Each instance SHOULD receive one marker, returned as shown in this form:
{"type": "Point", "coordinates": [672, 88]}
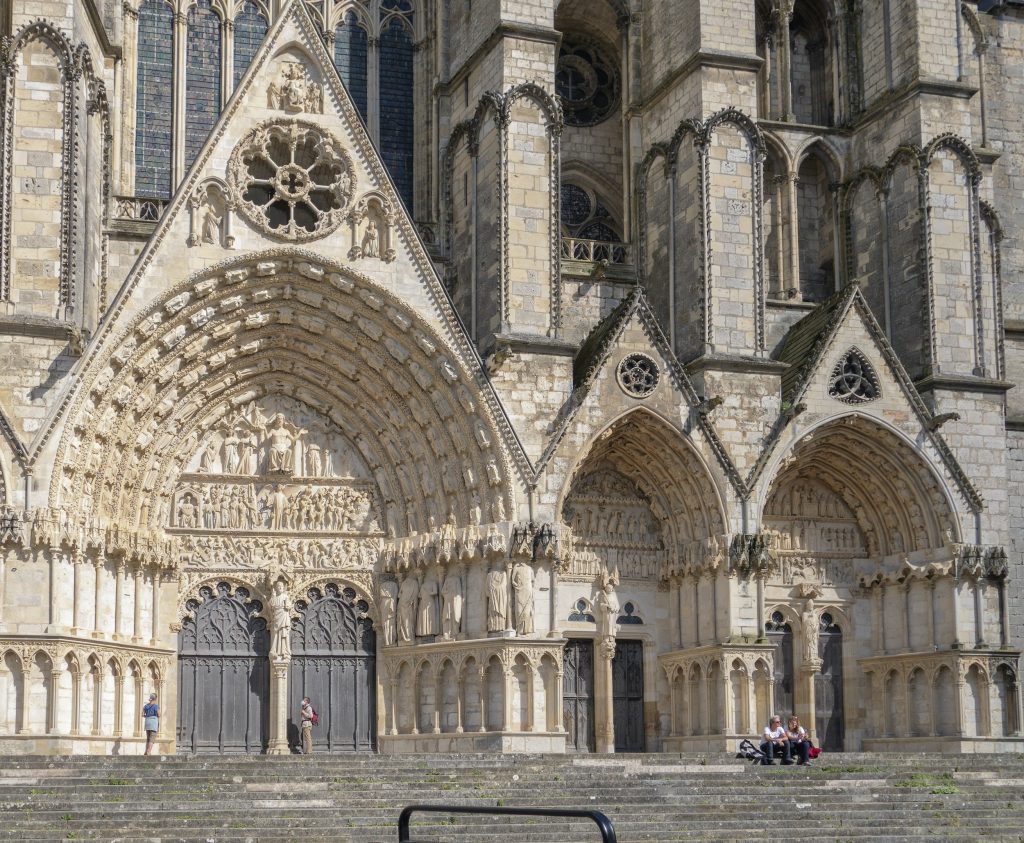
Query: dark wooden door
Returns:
{"type": "Point", "coordinates": [828, 686]}
{"type": "Point", "coordinates": [780, 635]}
{"type": "Point", "coordinates": [334, 664]}
{"type": "Point", "coordinates": [628, 696]}
{"type": "Point", "coordinates": [223, 676]}
{"type": "Point", "coordinates": [578, 694]}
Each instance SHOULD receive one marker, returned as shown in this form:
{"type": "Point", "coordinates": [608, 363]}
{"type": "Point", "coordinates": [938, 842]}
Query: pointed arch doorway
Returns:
{"type": "Point", "coordinates": [223, 674]}
{"type": "Point", "coordinates": [334, 664]}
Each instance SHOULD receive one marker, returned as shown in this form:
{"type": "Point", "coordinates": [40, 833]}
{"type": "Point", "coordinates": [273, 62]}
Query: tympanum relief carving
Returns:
{"type": "Point", "coordinates": [614, 527]}
{"type": "Point", "coordinates": [815, 534]}
{"type": "Point", "coordinates": [276, 483]}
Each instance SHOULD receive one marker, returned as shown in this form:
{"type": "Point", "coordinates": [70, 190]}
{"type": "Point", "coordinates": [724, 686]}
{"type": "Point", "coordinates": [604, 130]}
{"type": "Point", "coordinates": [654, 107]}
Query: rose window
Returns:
{"type": "Point", "coordinates": [587, 81]}
{"type": "Point", "coordinates": [638, 375]}
{"type": "Point", "coordinates": [292, 180]}
{"type": "Point", "coordinates": [853, 381]}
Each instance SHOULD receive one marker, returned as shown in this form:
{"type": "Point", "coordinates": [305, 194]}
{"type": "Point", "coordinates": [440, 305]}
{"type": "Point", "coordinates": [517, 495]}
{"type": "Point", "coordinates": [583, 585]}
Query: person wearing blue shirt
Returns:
{"type": "Point", "coordinates": [151, 713]}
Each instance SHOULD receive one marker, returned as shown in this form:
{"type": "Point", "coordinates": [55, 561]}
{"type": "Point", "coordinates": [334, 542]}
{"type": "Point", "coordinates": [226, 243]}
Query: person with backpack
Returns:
{"type": "Point", "coordinates": [307, 720]}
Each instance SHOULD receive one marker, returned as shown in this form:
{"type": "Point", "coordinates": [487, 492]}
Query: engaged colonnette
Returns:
{"type": "Point", "coordinates": [593, 375]}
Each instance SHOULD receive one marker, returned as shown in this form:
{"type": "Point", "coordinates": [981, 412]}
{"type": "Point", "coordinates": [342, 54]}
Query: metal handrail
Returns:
{"type": "Point", "coordinates": [600, 820]}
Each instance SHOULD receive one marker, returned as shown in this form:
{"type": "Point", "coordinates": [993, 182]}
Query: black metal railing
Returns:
{"type": "Point", "coordinates": [602, 822]}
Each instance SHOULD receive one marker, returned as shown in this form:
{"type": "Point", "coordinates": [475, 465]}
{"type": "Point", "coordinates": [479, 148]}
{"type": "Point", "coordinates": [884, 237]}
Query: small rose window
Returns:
{"type": "Point", "coordinates": [292, 180]}
{"type": "Point", "coordinates": [638, 375]}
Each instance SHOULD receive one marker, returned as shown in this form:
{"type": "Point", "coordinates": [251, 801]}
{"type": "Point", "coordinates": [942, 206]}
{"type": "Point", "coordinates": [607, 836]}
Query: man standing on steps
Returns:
{"type": "Point", "coordinates": [306, 715]}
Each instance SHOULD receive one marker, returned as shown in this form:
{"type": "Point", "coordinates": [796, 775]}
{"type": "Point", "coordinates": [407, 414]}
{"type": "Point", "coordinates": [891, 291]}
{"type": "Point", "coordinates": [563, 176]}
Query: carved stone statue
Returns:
{"type": "Point", "coordinates": [371, 240]}
{"type": "Point", "coordinates": [280, 456]}
{"type": "Point", "coordinates": [188, 512]}
{"type": "Point", "coordinates": [607, 604]}
{"type": "Point", "coordinates": [451, 608]}
{"type": "Point", "coordinates": [426, 619]}
{"type": "Point", "coordinates": [407, 597]}
{"type": "Point", "coordinates": [208, 459]}
{"type": "Point", "coordinates": [231, 452]}
{"type": "Point", "coordinates": [522, 588]}
{"type": "Point", "coordinates": [314, 463]}
{"type": "Point", "coordinates": [809, 624]}
{"type": "Point", "coordinates": [388, 597]}
{"type": "Point", "coordinates": [497, 600]}
{"type": "Point", "coordinates": [280, 621]}
{"type": "Point", "coordinates": [211, 224]}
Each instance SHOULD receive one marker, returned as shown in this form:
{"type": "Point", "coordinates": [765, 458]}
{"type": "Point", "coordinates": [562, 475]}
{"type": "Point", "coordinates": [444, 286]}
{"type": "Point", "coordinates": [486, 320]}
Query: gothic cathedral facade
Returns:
{"type": "Point", "coordinates": [534, 376]}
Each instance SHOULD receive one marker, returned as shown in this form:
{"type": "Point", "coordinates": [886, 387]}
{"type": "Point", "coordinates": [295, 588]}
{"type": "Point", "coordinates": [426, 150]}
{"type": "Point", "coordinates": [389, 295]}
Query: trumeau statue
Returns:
{"type": "Point", "coordinates": [607, 604]}
{"type": "Point", "coordinates": [280, 621]}
{"type": "Point", "coordinates": [497, 600]}
{"type": "Point", "coordinates": [522, 588]}
{"type": "Point", "coordinates": [809, 627]}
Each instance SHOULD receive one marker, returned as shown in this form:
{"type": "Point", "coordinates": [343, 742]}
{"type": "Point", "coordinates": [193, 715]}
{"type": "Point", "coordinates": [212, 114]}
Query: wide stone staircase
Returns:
{"type": "Point", "coordinates": [647, 797]}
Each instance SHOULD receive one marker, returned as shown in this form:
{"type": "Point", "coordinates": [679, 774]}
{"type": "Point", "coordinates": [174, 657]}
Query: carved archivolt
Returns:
{"type": "Point", "coordinates": [896, 500]}
{"type": "Point", "coordinates": [267, 329]}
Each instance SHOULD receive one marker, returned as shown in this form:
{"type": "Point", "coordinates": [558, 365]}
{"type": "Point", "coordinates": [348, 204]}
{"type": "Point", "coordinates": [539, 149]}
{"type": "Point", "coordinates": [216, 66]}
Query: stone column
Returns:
{"type": "Point", "coordinates": [1004, 613]}
{"type": "Point", "coordinates": [278, 744]}
{"type": "Point", "coordinates": [97, 699]}
{"type": "Point", "coordinates": [53, 712]}
{"type": "Point", "coordinates": [604, 713]}
{"type": "Point", "coordinates": [460, 702]}
{"type": "Point", "coordinates": [137, 729]}
{"type": "Point", "coordinates": [780, 20]}
{"type": "Point", "coordinates": [979, 619]}
{"type": "Point", "coordinates": [227, 61]}
{"type": "Point", "coordinates": [97, 587]}
{"type": "Point", "coordinates": [154, 620]}
{"type": "Point", "coordinates": [959, 711]}
{"type": "Point", "coordinates": [558, 703]}
{"type": "Point", "coordinates": [793, 291]}
{"type": "Point", "coordinates": [76, 597]}
{"type": "Point", "coordinates": [930, 585]}
{"type": "Point", "coordinates": [906, 615]}
{"type": "Point", "coordinates": [22, 713]}
{"type": "Point", "coordinates": [438, 702]}
{"type": "Point", "coordinates": [761, 637]}
{"type": "Point", "coordinates": [179, 99]}
{"type": "Point", "coordinates": [76, 702]}
{"type": "Point", "coordinates": [673, 714]}
{"type": "Point", "coordinates": [955, 644]}
{"type": "Point", "coordinates": [118, 601]}
{"type": "Point", "coordinates": [373, 88]}
{"type": "Point", "coordinates": [484, 690]}
{"type": "Point", "coordinates": [136, 628]}
{"type": "Point", "coordinates": [118, 705]}
{"type": "Point", "coordinates": [531, 709]}
{"type": "Point", "coordinates": [728, 715]}
{"type": "Point", "coordinates": [509, 677]}
{"type": "Point", "coordinates": [393, 706]}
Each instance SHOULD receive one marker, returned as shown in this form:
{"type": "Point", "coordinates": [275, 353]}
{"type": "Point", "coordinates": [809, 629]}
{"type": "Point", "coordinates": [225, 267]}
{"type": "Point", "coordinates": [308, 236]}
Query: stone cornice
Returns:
{"type": "Point", "coordinates": [524, 32]}
{"type": "Point", "coordinates": [704, 58]}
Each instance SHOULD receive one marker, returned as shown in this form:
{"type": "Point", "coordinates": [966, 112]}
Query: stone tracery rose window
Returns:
{"type": "Point", "coordinates": [587, 80]}
{"type": "Point", "coordinates": [638, 375]}
{"type": "Point", "coordinates": [853, 380]}
{"type": "Point", "coordinates": [292, 180]}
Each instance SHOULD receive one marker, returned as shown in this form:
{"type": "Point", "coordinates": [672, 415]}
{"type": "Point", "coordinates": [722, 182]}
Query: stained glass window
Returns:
{"type": "Point", "coordinates": [153, 103]}
{"type": "Point", "coordinates": [202, 77]}
{"type": "Point", "coordinates": [250, 29]}
{"type": "Point", "coordinates": [396, 111]}
{"type": "Point", "coordinates": [350, 59]}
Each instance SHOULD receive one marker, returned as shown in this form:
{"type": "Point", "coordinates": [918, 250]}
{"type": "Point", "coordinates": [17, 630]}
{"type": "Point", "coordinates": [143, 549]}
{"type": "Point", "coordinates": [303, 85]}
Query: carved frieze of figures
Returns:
{"type": "Point", "coordinates": [293, 90]}
{"type": "Point", "coordinates": [240, 552]}
{"type": "Point", "coordinates": [276, 507]}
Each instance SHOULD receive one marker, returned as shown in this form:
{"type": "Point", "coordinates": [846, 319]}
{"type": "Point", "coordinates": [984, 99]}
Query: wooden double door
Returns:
{"type": "Point", "coordinates": [578, 695]}
{"type": "Point", "coordinates": [223, 674]}
{"type": "Point", "coordinates": [334, 664]}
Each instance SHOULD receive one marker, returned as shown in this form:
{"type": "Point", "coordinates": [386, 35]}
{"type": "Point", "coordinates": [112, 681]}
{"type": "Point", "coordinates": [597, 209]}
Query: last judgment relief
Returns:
{"type": "Point", "coordinates": [266, 478]}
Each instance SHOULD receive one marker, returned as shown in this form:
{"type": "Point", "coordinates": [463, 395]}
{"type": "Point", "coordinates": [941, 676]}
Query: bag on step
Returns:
{"type": "Point", "coordinates": [814, 751]}
{"type": "Point", "coordinates": [751, 753]}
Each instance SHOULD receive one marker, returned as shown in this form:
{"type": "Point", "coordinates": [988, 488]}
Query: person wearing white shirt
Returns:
{"type": "Point", "coordinates": [776, 742]}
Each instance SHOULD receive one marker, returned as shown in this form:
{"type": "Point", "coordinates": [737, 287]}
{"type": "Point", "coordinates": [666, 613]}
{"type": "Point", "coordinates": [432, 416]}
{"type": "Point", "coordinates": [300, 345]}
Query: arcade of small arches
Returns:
{"type": "Point", "coordinates": [77, 696]}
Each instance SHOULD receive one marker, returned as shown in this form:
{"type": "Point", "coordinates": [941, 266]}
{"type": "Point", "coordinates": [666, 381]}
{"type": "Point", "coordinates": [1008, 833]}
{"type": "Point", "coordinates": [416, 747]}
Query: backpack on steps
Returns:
{"type": "Point", "coordinates": [751, 752]}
